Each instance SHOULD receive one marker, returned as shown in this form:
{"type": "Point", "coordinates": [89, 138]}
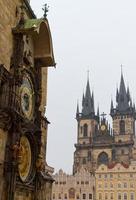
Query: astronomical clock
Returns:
{"type": "Point", "coordinates": [22, 114]}
{"type": "Point", "coordinates": [27, 97]}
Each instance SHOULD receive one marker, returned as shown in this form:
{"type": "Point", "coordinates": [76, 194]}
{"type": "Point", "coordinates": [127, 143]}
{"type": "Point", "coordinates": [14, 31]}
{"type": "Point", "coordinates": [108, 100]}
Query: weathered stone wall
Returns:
{"type": "Point", "coordinates": [9, 17]}
{"type": "Point", "coordinates": [8, 20]}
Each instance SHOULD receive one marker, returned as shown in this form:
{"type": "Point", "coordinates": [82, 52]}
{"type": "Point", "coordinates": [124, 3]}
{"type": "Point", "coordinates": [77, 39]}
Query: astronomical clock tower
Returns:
{"type": "Point", "coordinates": [25, 55]}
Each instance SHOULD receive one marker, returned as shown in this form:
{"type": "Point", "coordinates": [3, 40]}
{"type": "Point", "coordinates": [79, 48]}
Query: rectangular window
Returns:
{"type": "Point", "coordinates": [100, 196]}
{"type": "Point", "coordinates": [106, 196]}
{"type": "Point", "coordinates": [84, 196]}
{"type": "Point", "coordinates": [125, 185]}
{"type": "Point", "coordinates": [132, 196]}
{"type": "Point", "coordinates": [125, 196]}
{"type": "Point", "coordinates": [119, 196]}
{"type": "Point", "coordinates": [111, 196]}
{"type": "Point", "coordinates": [90, 196]}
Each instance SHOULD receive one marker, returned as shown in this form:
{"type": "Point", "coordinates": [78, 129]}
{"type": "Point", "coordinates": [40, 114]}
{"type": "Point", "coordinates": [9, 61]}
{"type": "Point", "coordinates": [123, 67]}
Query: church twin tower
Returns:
{"type": "Point", "coordinates": [97, 143]}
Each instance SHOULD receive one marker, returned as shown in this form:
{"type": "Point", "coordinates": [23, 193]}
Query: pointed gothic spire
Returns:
{"type": "Point", "coordinates": [93, 109]}
{"type": "Point", "coordinates": [124, 101]}
{"type": "Point", "coordinates": [112, 104]}
{"type": "Point", "coordinates": [128, 94]}
{"type": "Point", "coordinates": [122, 96]}
{"type": "Point", "coordinates": [111, 107]}
{"type": "Point", "coordinates": [83, 99]}
{"type": "Point", "coordinates": [88, 101]}
{"type": "Point", "coordinates": [117, 95]}
{"type": "Point", "coordinates": [77, 112]}
{"type": "Point", "coordinates": [98, 112]}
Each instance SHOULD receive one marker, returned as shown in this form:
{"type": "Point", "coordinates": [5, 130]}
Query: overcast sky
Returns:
{"type": "Point", "coordinates": [98, 35]}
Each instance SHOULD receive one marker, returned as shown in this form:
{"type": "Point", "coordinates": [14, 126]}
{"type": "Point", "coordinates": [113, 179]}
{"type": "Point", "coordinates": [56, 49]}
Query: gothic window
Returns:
{"type": "Point", "coordinates": [84, 161]}
{"type": "Point", "coordinates": [122, 127]}
{"type": "Point", "coordinates": [85, 130]}
{"type": "Point", "coordinates": [89, 155]}
{"type": "Point", "coordinates": [103, 158]}
{"type": "Point", "coordinates": [65, 196]}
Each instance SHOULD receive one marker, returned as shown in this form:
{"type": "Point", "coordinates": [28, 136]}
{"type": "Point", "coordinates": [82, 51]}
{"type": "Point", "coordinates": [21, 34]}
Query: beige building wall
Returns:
{"type": "Point", "coordinates": [116, 182]}
{"type": "Point", "coordinates": [78, 186]}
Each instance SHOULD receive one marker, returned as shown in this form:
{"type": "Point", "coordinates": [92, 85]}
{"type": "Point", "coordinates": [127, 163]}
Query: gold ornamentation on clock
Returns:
{"type": "Point", "coordinates": [25, 158]}
{"type": "Point", "coordinates": [103, 127]}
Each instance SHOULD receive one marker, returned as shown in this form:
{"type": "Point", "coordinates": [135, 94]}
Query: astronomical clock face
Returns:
{"type": "Point", "coordinates": [25, 159]}
{"type": "Point", "coordinates": [27, 97]}
{"type": "Point", "coordinates": [103, 128]}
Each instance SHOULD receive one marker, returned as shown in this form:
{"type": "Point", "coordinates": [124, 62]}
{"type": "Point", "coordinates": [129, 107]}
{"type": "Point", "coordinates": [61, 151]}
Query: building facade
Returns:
{"type": "Point", "coordinates": [26, 52]}
{"type": "Point", "coordinates": [78, 186]}
{"type": "Point", "coordinates": [116, 181]}
{"type": "Point", "coordinates": [97, 143]}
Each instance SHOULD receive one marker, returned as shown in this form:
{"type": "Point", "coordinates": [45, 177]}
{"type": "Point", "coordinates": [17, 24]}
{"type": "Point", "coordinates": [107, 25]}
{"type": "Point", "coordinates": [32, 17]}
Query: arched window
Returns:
{"type": "Point", "coordinates": [122, 127]}
{"type": "Point", "coordinates": [85, 130]}
{"type": "Point", "coordinates": [103, 158]}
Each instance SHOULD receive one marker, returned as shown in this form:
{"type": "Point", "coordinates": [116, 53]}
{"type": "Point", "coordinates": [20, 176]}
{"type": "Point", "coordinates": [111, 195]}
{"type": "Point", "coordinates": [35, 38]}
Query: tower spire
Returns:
{"type": "Point", "coordinates": [123, 101]}
{"type": "Point", "coordinates": [88, 100]}
{"type": "Point", "coordinates": [77, 111]}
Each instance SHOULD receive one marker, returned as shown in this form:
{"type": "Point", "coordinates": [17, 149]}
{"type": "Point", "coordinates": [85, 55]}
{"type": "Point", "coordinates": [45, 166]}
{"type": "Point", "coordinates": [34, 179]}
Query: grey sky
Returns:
{"type": "Point", "coordinates": [98, 35]}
